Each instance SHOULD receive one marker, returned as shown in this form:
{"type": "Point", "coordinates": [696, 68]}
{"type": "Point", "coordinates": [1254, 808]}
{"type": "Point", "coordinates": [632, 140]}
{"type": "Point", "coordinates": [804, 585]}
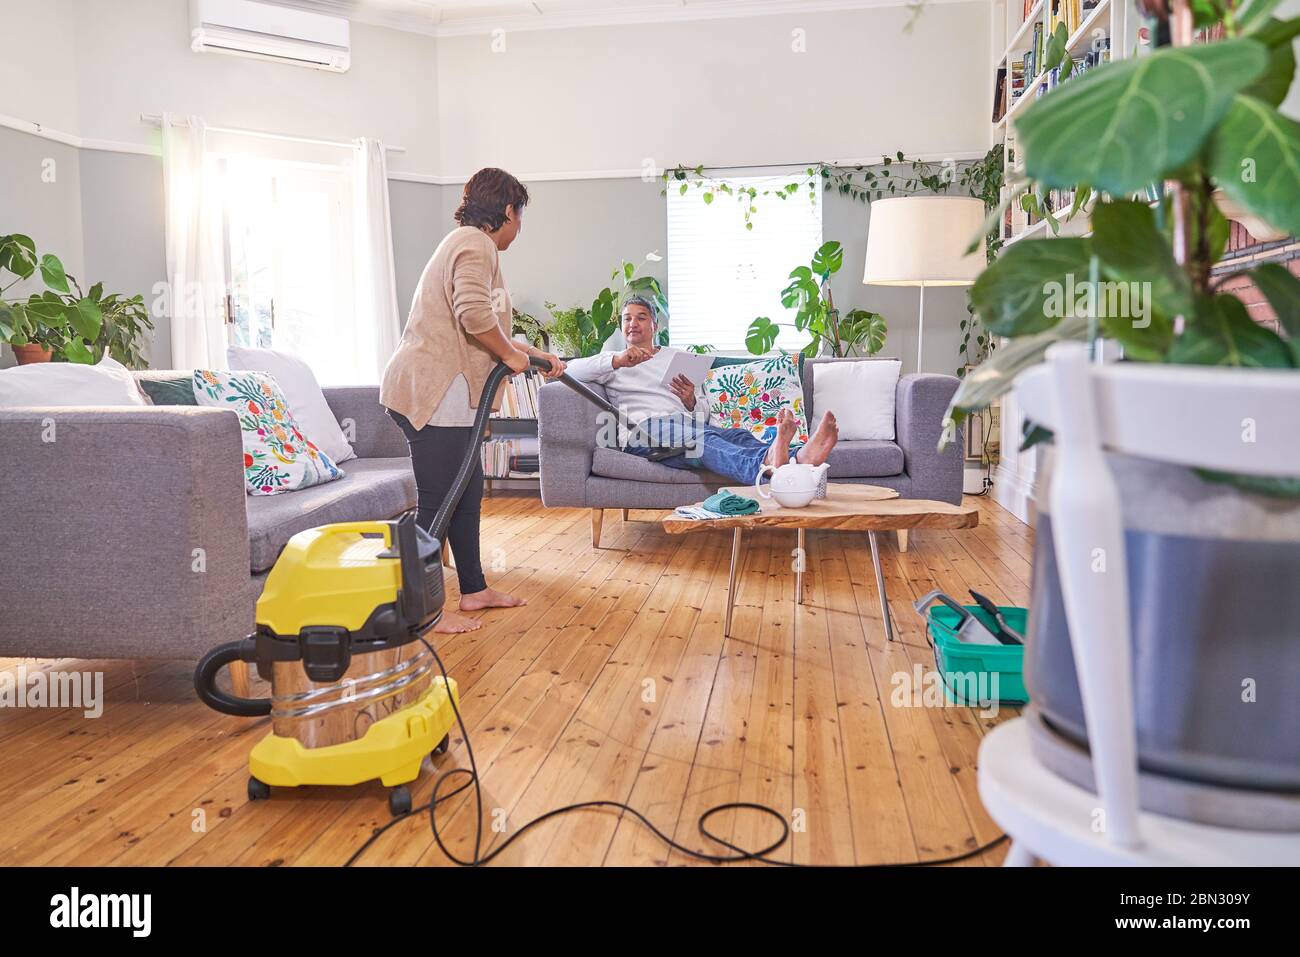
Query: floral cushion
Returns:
{"type": "Point", "coordinates": [277, 456]}
{"type": "Point", "coordinates": [749, 395]}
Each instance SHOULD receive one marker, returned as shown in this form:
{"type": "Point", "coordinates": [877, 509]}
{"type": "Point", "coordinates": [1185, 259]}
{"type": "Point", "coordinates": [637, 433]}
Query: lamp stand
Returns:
{"type": "Point", "coordinates": [920, 328]}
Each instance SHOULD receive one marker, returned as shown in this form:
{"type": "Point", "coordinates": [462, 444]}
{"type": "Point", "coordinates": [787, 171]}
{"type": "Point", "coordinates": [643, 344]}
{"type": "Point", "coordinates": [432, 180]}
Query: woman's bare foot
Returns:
{"type": "Point", "coordinates": [453, 624]}
{"type": "Point", "coordinates": [822, 441]}
{"type": "Point", "coordinates": [489, 598]}
{"type": "Point", "coordinates": [779, 453]}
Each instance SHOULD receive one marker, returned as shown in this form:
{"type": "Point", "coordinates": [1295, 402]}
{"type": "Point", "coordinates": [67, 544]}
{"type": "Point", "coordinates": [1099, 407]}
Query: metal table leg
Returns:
{"type": "Point", "coordinates": [880, 586]}
{"type": "Point", "coordinates": [800, 558]}
{"type": "Point", "coordinates": [731, 580]}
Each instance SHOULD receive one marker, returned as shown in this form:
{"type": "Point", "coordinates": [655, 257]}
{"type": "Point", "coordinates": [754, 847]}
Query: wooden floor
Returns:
{"type": "Point", "coordinates": [615, 682]}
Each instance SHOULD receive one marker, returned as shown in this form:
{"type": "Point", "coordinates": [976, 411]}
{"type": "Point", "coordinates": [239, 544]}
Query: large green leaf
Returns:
{"type": "Point", "coordinates": [1131, 248]}
{"type": "Point", "coordinates": [8, 321]}
{"type": "Point", "coordinates": [1253, 15]}
{"type": "Point", "coordinates": [761, 336]}
{"type": "Point", "coordinates": [995, 377]}
{"type": "Point", "coordinates": [86, 318]}
{"type": "Point", "coordinates": [1255, 158]}
{"type": "Point", "coordinates": [74, 350]}
{"type": "Point", "coordinates": [1129, 123]}
{"type": "Point", "coordinates": [1221, 333]}
{"type": "Point", "coordinates": [18, 255]}
{"type": "Point", "coordinates": [828, 259]}
{"type": "Point", "coordinates": [53, 274]}
{"type": "Point", "coordinates": [1015, 296]}
{"type": "Point", "coordinates": [865, 330]}
{"type": "Point", "coordinates": [1273, 84]}
{"type": "Point", "coordinates": [1282, 290]}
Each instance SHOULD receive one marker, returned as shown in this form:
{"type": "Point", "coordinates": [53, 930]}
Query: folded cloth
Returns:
{"type": "Point", "coordinates": [729, 503]}
{"type": "Point", "coordinates": [695, 513]}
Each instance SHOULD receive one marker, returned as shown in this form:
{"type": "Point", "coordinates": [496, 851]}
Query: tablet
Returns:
{"type": "Point", "coordinates": [690, 364]}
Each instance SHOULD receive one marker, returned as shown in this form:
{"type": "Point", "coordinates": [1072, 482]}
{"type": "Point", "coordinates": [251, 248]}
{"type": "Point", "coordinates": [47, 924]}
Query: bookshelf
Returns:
{"type": "Point", "coordinates": [512, 430]}
{"type": "Point", "coordinates": [1019, 29]}
{"type": "Point", "coordinates": [1099, 31]}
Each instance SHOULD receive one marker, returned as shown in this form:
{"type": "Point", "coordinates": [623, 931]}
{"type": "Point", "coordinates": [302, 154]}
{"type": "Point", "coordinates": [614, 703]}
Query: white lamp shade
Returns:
{"type": "Point", "coordinates": [922, 241]}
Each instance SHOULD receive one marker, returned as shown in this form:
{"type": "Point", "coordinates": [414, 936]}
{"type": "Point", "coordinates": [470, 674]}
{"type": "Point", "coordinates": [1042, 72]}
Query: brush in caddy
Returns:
{"type": "Point", "coordinates": [340, 635]}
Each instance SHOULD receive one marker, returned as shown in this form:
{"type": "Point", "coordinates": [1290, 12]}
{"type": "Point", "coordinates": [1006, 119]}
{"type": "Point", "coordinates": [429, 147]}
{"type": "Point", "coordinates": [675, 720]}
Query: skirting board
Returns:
{"type": "Point", "coordinates": [1015, 493]}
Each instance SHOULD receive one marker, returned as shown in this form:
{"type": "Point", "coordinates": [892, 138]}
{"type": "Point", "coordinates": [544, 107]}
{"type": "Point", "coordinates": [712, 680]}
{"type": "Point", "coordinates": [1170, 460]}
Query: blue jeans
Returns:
{"type": "Point", "coordinates": [733, 453]}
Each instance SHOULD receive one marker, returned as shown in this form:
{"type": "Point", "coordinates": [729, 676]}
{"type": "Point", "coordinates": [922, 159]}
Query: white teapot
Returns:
{"type": "Point", "coordinates": [793, 485]}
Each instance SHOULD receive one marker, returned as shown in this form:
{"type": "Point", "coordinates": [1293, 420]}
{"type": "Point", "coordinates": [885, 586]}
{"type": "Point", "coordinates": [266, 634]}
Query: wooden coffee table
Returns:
{"type": "Point", "coordinates": [850, 508]}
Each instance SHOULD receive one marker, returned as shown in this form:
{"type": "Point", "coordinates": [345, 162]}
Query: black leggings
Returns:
{"type": "Point", "coordinates": [436, 454]}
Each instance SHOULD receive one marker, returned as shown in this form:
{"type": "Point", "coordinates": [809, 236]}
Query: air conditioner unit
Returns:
{"type": "Point", "coordinates": [269, 32]}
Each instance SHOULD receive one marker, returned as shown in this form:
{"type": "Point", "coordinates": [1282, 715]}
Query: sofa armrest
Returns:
{"type": "Point", "coordinates": [367, 426]}
{"type": "Point", "coordinates": [921, 402]}
{"type": "Point", "coordinates": [125, 532]}
{"type": "Point", "coordinates": [566, 432]}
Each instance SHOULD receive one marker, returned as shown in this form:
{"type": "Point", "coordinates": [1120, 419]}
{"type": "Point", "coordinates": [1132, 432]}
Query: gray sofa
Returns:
{"type": "Point", "coordinates": [576, 473]}
{"type": "Point", "coordinates": [129, 534]}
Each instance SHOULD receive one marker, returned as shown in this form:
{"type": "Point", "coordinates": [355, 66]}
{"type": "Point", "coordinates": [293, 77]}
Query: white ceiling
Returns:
{"type": "Point", "coordinates": [450, 17]}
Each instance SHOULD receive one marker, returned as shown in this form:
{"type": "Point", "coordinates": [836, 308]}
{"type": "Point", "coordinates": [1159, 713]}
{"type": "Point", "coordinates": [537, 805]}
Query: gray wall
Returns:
{"type": "Point", "coordinates": [123, 222]}
{"type": "Point", "coordinates": [48, 212]}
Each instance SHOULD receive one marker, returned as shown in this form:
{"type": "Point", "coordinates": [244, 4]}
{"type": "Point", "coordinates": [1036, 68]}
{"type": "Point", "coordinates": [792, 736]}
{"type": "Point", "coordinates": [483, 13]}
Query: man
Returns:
{"type": "Point", "coordinates": [676, 416]}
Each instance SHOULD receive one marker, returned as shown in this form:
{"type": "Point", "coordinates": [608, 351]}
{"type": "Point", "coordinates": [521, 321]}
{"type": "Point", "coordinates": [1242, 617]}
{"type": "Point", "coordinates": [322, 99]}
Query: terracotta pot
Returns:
{"type": "Point", "coordinates": [32, 352]}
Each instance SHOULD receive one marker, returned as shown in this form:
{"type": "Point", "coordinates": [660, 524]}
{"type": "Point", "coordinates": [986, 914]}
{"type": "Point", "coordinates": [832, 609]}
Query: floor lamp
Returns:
{"type": "Point", "coordinates": [922, 241]}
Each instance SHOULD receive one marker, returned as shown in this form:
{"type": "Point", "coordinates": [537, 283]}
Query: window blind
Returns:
{"type": "Point", "coordinates": [722, 276]}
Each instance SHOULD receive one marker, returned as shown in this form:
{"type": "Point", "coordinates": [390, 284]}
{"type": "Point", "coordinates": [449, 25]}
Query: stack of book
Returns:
{"type": "Point", "coordinates": [519, 397]}
{"type": "Point", "coordinates": [515, 457]}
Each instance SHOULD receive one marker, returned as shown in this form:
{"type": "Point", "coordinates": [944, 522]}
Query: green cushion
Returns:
{"type": "Point", "coordinates": [178, 390]}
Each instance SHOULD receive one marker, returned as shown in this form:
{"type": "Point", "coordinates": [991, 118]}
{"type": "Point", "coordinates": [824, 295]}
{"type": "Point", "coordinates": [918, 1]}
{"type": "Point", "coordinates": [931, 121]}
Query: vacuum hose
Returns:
{"type": "Point", "coordinates": [205, 681]}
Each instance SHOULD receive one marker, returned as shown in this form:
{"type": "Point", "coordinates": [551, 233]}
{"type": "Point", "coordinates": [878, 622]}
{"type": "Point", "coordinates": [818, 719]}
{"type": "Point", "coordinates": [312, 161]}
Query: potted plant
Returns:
{"type": "Point", "coordinates": [62, 323]}
{"type": "Point", "coordinates": [856, 333]}
{"type": "Point", "coordinates": [1213, 558]}
{"type": "Point", "coordinates": [582, 332]}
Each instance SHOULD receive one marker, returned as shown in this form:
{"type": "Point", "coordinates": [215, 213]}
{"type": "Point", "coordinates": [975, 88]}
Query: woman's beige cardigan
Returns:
{"type": "Point", "coordinates": [461, 293]}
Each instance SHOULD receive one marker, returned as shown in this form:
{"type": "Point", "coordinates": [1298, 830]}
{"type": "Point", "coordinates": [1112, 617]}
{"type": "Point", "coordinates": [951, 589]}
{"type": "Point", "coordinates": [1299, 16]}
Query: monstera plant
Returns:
{"type": "Point", "coordinates": [1153, 137]}
{"type": "Point", "coordinates": [857, 332]}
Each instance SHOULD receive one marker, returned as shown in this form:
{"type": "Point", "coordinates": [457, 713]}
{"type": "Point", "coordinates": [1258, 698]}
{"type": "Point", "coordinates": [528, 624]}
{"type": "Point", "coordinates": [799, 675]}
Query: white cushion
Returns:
{"type": "Point", "coordinates": [861, 394]}
{"type": "Point", "coordinates": [301, 391]}
{"type": "Point", "coordinates": [107, 382]}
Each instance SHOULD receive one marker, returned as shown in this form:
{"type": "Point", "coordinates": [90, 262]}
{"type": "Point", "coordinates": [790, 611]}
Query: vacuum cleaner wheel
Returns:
{"type": "Point", "coordinates": [258, 790]}
{"type": "Point", "coordinates": [442, 746]}
{"type": "Point", "coordinates": [399, 800]}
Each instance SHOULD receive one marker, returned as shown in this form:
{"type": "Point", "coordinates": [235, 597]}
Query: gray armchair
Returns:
{"type": "Point", "coordinates": [576, 473]}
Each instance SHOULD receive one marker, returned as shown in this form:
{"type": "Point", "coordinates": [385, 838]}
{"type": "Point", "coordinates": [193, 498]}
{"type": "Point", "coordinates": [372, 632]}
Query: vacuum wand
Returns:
{"type": "Point", "coordinates": [442, 520]}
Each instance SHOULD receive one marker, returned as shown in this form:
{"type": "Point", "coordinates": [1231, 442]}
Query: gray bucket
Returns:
{"type": "Point", "coordinates": [1214, 597]}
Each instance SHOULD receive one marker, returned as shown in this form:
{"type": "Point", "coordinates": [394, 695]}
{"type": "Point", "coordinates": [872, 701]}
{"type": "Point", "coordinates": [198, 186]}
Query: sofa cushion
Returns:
{"type": "Point", "coordinates": [864, 458]}
{"type": "Point", "coordinates": [372, 490]}
{"type": "Point", "coordinates": [750, 395]}
{"type": "Point", "coordinates": [611, 463]}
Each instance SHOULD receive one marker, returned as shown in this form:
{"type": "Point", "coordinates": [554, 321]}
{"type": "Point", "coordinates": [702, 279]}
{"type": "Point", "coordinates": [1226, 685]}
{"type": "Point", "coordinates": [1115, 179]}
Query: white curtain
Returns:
{"type": "Point", "coordinates": [377, 327]}
{"type": "Point", "coordinates": [195, 270]}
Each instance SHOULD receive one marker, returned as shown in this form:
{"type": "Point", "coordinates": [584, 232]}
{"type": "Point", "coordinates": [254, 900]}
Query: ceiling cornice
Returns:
{"type": "Point", "coordinates": [623, 16]}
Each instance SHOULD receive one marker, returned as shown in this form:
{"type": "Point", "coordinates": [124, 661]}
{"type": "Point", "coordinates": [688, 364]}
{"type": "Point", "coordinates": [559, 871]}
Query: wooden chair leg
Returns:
{"type": "Point", "coordinates": [902, 539]}
{"type": "Point", "coordinates": [597, 516]}
{"type": "Point", "coordinates": [239, 683]}
{"type": "Point", "coordinates": [446, 555]}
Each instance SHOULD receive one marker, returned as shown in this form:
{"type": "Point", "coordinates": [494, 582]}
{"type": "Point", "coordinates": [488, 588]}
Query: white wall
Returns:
{"type": "Point", "coordinates": [38, 63]}
{"type": "Point", "coordinates": [717, 92]}
{"type": "Point", "coordinates": [134, 57]}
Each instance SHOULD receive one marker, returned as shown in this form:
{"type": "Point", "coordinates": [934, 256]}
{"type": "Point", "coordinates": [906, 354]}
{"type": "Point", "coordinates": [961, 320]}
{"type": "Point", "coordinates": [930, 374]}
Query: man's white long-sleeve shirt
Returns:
{"type": "Point", "coordinates": [637, 390]}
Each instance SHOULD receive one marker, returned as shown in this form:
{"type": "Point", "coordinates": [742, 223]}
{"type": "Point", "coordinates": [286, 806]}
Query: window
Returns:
{"type": "Point", "coordinates": [288, 235]}
{"type": "Point", "coordinates": [722, 276]}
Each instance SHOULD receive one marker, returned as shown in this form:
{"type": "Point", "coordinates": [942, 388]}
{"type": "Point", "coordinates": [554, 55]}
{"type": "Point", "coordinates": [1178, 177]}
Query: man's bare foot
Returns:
{"type": "Point", "coordinates": [779, 453]}
{"type": "Point", "coordinates": [489, 598]}
{"type": "Point", "coordinates": [453, 624]}
{"type": "Point", "coordinates": [821, 442]}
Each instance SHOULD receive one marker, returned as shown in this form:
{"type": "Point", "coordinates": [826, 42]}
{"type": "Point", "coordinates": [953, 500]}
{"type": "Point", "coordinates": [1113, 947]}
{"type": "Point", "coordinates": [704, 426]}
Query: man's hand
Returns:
{"type": "Point", "coordinates": [632, 356]}
{"type": "Point", "coordinates": [684, 389]}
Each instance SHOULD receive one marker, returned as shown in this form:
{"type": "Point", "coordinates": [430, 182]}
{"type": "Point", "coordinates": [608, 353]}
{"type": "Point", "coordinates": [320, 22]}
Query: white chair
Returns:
{"type": "Point", "coordinates": [1185, 415]}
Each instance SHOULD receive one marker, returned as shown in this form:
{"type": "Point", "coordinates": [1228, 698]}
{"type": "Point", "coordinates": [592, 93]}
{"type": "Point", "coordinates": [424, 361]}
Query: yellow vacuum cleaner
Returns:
{"type": "Point", "coordinates": [340, 636]}
{"type": "Point", "coordinates": [355, 695]}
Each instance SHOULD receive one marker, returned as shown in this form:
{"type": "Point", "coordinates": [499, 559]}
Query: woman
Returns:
{"type": "Point", "coordinates": [458, 329]}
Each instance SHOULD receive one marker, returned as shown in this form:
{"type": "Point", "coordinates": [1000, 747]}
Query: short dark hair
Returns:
{"type": "Point", "coordinates": [487, 194]}
{"type": "Point", "coordinates": [635, 300]}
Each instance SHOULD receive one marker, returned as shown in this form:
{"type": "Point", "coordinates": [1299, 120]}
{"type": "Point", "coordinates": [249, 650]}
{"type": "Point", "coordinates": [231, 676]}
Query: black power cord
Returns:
{"type": "Point", "coordinates": [740, 854]}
